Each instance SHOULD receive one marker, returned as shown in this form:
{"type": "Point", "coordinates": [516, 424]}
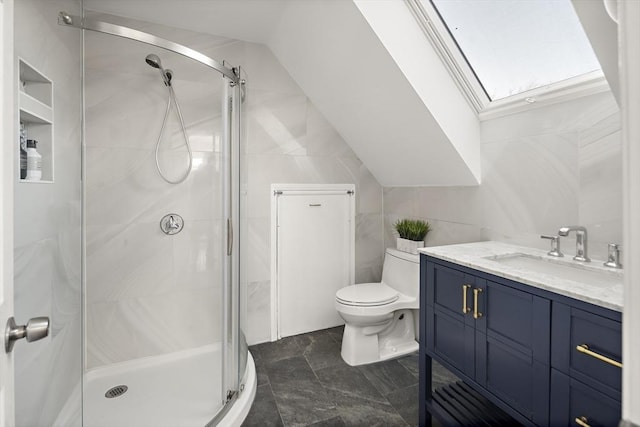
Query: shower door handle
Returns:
{"type": "Point", "coordinates": [229, 236]}
{"type": "Point", "coordinates": [35, 329]}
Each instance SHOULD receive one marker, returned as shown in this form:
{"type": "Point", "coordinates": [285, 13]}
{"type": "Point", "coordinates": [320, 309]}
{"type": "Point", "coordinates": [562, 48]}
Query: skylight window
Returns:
{"type": "Point", "coordinates": [515, 46]}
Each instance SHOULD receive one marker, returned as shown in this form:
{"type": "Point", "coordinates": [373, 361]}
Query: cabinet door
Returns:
{"type": "Point", "coordinates": [450, 332]}
{"type": "Point", "coordinates": [512, 348]}
{"type": "Point", "coordinates": [571, 400]}
{"type": "Point", "coordinates": [573, 327]}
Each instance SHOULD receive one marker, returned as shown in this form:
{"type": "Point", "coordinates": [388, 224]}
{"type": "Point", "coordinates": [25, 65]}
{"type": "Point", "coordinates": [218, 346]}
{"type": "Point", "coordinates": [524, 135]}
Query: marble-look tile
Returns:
{"type": "Point", "coordinates": [332, 422]}
{"type": "Point", "coordinates": [279, 350]}
{"type": "Point", "coordinates": [388, 376]}
{"type": "Point", "coordinates": [47, 225]}
{"type": "Point", "coordinates": [440, 376]}
{"type": "Point", "coordinates": [300, 397]}
{"type": "Point", "coordinates": [336, 333]}
{"type": "Point", "coordinates": [401, 202]}
{"type": "Point", "coordinates": [601, 186]}
{"type": "Point", "coordinates": [258, 312]}
{"type": "Point", "coordinates": [446, 233]}
{"type": "Point", "coordinates": [261, 372]}
{"type": "Point", "coordinates": [405, 401]}
{"type": "Point", "coordinates": [258, 253]}
{"type": "Point", "coordinates": [198, 255]}
{"type": "Point", "coordinates": [369, 247]}
{"type": "Point", "coordinates": [276, 122]}
{"type": "Point", "coordinates": [519, 194]}
{"type": "Point", "coordinates": [320, 350]}
{"type": "Point", "coordinates": [143, 254]}
{"type": "Point", "coordinates": [152, 325]}
{"type": "Point", "coordinates": [369, 273]}
{"type": "Point", "coordinates": [369, 196]}
{"type": "Point", "coordinates": [264, 411]}
{"type": "Point", "coordinates": [265, 70]}
{"type": "Point", "coordinates": [348, 381]}
{"type": "Point", "coordinates": [355, 411]}
{"type": "Point", "coordinates": [410, 362]}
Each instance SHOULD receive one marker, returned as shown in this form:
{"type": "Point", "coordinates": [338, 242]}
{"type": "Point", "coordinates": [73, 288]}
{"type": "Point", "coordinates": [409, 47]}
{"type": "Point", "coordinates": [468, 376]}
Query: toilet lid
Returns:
{"type": "Point", "coordinates": [367, 294]}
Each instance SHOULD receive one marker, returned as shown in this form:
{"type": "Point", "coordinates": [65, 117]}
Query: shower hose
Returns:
{"type": "Point", "coordinates": [172, 97]}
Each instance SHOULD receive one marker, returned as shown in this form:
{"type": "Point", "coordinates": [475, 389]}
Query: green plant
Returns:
{"type": "Point", "coordinates": [412, 229]}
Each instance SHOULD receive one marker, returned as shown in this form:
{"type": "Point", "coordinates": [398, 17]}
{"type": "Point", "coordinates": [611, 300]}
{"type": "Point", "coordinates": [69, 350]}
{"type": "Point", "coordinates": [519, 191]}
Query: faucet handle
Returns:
{"type": "Point", "coordinates": [613, 257]}
{"type": "Point", "coordinates": [555, 246]}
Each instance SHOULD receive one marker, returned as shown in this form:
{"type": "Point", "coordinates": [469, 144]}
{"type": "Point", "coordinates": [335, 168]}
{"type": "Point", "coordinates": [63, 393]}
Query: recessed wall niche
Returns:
{"type": "Point", "coordinates": [35, 100]}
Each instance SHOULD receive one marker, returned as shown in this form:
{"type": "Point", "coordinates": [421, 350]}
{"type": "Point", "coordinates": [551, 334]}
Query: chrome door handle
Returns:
{"type": "Point", "coordinates": [35, 329]}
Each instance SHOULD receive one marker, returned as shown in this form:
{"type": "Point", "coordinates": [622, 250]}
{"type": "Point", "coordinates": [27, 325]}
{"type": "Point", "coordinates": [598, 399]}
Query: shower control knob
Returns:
{"type": "Point", "coordinates": [35, 329]}
{"type": "Point", "coordinates": [171, 224]}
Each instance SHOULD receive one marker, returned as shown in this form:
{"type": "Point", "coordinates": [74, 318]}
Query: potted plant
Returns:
{"type": "Point", "coordinates": [412, 233]}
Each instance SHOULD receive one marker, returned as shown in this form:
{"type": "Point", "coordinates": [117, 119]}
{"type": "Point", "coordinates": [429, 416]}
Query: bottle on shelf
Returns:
{"type": "Point", "coordinates": [23, 151]}
{"type": "Point", "coordinates": [34, 161]}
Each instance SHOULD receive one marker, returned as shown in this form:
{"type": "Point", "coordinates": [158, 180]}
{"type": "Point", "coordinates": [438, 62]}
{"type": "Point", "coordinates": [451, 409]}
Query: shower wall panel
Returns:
{"type": "Point", "coordinates": [47, 236]}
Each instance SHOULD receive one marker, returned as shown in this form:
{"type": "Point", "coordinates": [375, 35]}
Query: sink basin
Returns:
{"type": "Point", "coordinates": [562, 269]}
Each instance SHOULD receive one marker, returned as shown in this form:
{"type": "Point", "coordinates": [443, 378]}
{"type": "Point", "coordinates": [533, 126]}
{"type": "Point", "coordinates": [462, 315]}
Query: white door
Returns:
{"type": "Point", "coordinates": [6, 202]}
{"type": "Point", "coordinates": [314, 258]}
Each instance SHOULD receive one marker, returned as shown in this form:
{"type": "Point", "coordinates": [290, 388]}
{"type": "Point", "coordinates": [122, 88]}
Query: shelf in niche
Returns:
{"type": "Point", "coordinates": [35, 101]}
{"type": "Point", "coordinates": [34, 111]}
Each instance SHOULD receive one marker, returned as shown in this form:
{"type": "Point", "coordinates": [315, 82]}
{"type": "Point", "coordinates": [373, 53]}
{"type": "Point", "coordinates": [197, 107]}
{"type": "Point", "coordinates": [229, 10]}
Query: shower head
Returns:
{"type": "Point", "coordinates": [154, 61]}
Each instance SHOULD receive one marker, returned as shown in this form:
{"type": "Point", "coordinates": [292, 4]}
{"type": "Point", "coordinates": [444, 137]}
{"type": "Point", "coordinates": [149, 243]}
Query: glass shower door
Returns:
{"type": "Point", "coordinates": [156, 330]}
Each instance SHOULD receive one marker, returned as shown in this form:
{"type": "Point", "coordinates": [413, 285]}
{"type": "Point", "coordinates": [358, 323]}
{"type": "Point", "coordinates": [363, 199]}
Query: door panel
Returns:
{"type": "Point", "coordinates": [314, 259]}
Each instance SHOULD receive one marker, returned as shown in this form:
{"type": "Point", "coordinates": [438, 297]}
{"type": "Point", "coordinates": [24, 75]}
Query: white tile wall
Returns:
{"type": "Point", "coordinates": [541, 169]}
{"type": "Point", "coordinates": [47, 250]}
{"type": "Point", "coordinates": [287, 141]}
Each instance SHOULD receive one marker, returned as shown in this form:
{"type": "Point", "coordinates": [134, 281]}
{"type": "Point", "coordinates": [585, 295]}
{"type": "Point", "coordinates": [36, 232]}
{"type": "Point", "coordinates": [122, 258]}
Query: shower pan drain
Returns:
{"type": "Point", "coordinates": [116, 391]}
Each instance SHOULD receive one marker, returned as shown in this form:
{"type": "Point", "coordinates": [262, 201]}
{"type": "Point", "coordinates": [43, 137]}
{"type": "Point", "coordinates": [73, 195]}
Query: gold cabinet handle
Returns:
{"type": "Point", "coordinates": [476, 313]}
{"type": "Point", "coordinates": [583, 348]}
{"type": "Point", "coordinates": [465, 308]}
{"type": "Point", "coordinates": [582, 422]}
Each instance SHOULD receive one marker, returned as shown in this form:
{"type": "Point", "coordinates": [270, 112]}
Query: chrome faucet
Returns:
{"type": "Point", "coordinates": [581, 241]}
{"type": "Point", "coordinates": [613, 257]}
{"type": "Point", "coordinates": [555, 246]}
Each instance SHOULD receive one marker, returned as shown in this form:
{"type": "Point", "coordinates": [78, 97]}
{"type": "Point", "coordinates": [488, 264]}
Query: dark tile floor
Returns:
{"type": "Point", "coordinates": [303, 381]}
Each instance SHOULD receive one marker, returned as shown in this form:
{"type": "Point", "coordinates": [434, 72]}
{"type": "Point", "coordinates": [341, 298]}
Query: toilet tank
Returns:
{"type": "Point", "coordinates": [401, 271]}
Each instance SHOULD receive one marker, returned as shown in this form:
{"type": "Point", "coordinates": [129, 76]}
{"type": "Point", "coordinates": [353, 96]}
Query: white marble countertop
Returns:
{"type": "Point", "coordinates": [589, 282]}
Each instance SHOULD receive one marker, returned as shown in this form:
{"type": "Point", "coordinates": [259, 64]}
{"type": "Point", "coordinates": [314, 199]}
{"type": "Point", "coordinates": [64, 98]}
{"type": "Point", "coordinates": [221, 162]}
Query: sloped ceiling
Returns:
{"type": "Point", "coordinates": [365, 65]}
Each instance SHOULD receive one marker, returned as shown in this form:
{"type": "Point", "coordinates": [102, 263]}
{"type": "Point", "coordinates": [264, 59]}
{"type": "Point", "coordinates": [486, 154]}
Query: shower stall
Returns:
{"type": "Point", "coordinates": [159, 297]}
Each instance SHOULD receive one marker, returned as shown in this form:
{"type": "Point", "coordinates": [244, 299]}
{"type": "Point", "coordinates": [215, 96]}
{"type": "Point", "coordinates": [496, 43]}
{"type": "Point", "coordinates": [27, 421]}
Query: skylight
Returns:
{"type": "Point", "coordinates": [515, 46]}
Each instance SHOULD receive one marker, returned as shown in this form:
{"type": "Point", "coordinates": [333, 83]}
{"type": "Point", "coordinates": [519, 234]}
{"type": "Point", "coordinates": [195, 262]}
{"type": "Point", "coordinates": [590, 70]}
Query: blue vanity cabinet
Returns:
{"type": "Point", "coordinates": [450, 331]}
{"type": "Point", "coordinates": [491, 334]}
{"type": "Point", "coordinates": [543, 358]}
{"type": "Point", "coordinates": [512, 348]}
{"type": "Point", "coordinates": [586, 376]}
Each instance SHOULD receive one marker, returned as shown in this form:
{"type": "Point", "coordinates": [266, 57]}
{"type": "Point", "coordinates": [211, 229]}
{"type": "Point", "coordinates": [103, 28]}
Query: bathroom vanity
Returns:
{"type": "Point", "coordinates": [537, 336]}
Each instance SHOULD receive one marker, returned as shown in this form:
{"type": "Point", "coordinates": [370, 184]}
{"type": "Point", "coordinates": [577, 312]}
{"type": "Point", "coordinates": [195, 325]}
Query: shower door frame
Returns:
{"type": "Point", "coordinates": [231, 385]}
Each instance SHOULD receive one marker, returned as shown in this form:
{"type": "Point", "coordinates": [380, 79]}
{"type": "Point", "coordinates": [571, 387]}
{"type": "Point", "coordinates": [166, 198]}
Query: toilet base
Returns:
{"type": "Point", "coordinates": [369, 344]}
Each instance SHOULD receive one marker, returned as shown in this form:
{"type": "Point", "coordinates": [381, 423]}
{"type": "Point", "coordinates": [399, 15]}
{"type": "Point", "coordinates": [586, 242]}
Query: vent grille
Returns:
{"type": "Point", "coordinates": [116, 391]}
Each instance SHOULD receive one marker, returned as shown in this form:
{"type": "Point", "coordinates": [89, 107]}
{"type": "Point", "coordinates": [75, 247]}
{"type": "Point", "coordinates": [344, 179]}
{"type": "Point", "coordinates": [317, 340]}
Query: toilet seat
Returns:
{"type": "Point", "coordinates": [367, 295]}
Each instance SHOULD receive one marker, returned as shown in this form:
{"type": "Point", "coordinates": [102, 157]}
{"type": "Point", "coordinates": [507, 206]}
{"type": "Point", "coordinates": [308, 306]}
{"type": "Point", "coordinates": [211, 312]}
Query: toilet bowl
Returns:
{"type": "Point", "coordinates": [381, 318]}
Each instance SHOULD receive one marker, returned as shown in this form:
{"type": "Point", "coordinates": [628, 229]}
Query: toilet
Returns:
{"type": "Point", "coordinates": [381, 319]}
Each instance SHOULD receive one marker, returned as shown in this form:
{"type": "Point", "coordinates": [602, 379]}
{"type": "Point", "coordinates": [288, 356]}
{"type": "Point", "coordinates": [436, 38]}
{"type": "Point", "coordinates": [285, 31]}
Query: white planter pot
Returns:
{"type": "Point", "coordinates": [409, 246]}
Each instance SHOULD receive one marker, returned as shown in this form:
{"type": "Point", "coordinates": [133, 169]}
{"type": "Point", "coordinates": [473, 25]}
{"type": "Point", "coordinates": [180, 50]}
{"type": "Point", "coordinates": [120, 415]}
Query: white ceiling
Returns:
{"type": "Point", "coordinates": [250, 20]}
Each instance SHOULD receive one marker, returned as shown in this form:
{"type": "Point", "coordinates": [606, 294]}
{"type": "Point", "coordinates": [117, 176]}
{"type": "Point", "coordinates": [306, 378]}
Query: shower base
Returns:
{"type": "Point", "coordinates": [179, 389]}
